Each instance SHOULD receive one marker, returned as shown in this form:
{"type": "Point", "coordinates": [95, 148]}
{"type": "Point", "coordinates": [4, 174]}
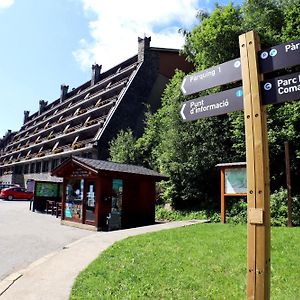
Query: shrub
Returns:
{"type": "Point", "coordinates": [278, 205]}
{"type": "Point", "coordinates": [237, 211]}
{"type": "Point", "coordinates": [161, 213]}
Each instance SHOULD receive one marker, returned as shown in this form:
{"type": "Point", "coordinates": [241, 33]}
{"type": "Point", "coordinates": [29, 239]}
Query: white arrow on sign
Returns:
{"type": "Point", "coordinates": [181, 111]}
{"type": "Point", "coordinates": [182, 86]}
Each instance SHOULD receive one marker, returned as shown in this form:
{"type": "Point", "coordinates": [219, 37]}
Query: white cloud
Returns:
{"type": "Point", "coordinates": [118, 24]}
{"type": "Point", "coordinates": [6, 3]}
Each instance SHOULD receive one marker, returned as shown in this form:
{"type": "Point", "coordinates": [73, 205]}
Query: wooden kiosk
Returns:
{"type": "Point", "coordinates": [233, 183]}
{"type": "Point", "coordinates": [103, 195]}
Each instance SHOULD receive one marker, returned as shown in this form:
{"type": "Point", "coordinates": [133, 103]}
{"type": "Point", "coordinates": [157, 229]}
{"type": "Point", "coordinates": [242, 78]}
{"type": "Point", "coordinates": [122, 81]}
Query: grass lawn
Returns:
{"type": "Point", "coordinates": [206, 261]}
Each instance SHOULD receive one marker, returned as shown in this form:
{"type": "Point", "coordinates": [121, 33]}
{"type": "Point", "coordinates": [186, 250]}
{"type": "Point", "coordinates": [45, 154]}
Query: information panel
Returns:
{"type": "Point", "coordinates": [235, 181]}
{"type": "Point", "coordinates": [45, 189]}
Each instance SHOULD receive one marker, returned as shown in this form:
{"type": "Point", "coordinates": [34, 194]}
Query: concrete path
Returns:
{"type": "Point", "coordinates": [52, 277]}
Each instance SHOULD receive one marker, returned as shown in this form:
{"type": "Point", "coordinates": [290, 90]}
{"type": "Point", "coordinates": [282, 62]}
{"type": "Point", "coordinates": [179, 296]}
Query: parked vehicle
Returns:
{"type": "Point", "coordinates": [7, 185]}
{"type": "Point", "coordinates": [15, 193]}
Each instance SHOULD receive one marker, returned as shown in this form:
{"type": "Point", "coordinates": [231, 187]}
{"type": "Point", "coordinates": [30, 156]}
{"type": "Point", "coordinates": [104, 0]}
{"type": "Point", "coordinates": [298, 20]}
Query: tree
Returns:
{"type": "Point", "coordinates": [215, 40]}
{"type": "Point", "coordinates": [266, 18]}
{"type": "Point", "coordinates": [291, 20]}
{"type": "Point", "coordinates": [122, 148]}
{"type": "Point", "coordinates": [188, 152]}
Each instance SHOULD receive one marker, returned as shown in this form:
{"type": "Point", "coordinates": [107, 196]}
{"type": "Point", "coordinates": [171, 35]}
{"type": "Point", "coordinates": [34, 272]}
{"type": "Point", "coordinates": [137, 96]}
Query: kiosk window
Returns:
{"type": "Point", "coordinates": [74, 199]}
{"type": "Point", "coordinates": [117, 194]}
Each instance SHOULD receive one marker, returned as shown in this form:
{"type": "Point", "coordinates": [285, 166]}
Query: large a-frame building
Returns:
{"type": "Point", "coordinates": [82, 121]}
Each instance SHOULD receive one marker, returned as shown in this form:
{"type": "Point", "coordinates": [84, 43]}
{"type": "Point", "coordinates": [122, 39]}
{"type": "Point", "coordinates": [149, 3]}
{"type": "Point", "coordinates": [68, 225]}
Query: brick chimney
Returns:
{"type": "Point", "coordinates": [63, 92]}
{"type": "Point", "coordinates": [96, 71]}
{"type": "Point", "coordinates": [43, 105]}
{"type": "Point", "coordinates": [143, 47]}
{"type": "Point", "coordinates": [26, 115]}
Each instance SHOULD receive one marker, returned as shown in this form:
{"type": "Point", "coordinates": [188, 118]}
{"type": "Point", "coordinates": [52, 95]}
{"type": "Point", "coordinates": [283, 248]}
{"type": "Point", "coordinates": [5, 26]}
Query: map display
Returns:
{"type": "Point", "coordinates": [44, 189]}
{"type": "Point", "coordinates": [235, 181]}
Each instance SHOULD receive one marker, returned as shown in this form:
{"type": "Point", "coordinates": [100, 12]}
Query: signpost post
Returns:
{"type": "Point", "coordinates": [258, 185]}
{"type": "Point", "coordinates": [255, 94]}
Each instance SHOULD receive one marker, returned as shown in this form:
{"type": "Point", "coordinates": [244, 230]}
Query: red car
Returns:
{"type": "Point", "coordinates": [15, 193]}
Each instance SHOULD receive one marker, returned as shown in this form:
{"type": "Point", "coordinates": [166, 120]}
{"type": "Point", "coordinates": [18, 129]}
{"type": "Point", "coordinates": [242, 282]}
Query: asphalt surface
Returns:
{"type": "Point", "coordinates": [26, 236]}
{"type": "Point", "coordinates": [52, 276]}
{"type": "Point", "coordinates": [40, 259]}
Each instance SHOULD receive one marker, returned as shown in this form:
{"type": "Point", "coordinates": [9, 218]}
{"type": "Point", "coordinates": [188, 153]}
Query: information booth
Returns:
{"type": "Point", "coordinates": [103, 195]}
{"type": "Point", "coordinates": [233, 183]}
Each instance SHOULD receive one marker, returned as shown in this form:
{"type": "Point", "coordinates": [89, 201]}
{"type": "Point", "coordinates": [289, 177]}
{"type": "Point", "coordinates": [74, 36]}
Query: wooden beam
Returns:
{"type": "Point", "coordinates": [258, 185]}
{"type": "Point", "coordinates": [288, 182]}
{"type": "Point", "coordinates": [223, 205]}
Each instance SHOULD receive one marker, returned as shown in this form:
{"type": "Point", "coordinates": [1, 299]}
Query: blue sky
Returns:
{"type": "Point", "coordinates": [50, 42]}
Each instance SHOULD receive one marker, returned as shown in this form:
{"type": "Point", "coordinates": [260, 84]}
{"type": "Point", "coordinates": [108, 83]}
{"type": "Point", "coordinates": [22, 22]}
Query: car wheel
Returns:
{"type": "Point", "coordinates": [10, 197]}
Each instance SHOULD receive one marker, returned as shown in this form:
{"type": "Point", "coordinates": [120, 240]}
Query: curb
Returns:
{"type": "Point", "coordinates": [12, 278]}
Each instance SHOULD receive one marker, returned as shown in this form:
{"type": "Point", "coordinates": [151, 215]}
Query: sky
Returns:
{"type": "Point", "coordinates": [51, 42]}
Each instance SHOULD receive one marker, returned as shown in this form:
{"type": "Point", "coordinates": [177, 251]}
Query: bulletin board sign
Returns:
{"type": "Point", "coordinates": [47, 189]}
{"type": "Point", "coordinates": [235, 181]}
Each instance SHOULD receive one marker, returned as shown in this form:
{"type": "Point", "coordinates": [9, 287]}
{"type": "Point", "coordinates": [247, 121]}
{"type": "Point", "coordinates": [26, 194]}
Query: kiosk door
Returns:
{"type": "Point", "coordinates": [90, 202]}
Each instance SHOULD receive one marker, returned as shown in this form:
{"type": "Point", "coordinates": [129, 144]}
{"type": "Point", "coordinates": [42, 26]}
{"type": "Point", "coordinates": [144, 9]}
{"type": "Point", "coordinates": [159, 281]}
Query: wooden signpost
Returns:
{"type": "Point", "coordinates": [256, 94]}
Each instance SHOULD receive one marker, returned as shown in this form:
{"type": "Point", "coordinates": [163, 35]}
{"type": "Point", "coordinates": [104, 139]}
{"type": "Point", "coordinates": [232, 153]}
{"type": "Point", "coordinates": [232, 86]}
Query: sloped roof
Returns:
{"type": "Point", "coordinates": [235, 164]}
{"type": "Point", "coordinates": [99, 166]}
{"type": "Point", "coordinates": [72, 124]}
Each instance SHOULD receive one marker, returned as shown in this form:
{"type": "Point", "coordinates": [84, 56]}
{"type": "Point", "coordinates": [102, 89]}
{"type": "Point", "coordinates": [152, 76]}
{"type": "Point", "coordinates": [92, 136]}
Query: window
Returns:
{"type": "Point", "coordinates": [117, 192]}
{"type": "Point", "coordinates": [74, 199]}
{"type": "Point", "coordinates": [18, 169]}
{"type": "Point", "coordinates": [38, 167]}
{"type": "Point", "coordinates": [26, 169]}
{"type": "Point", "coordinates": [32, 168]}
{"type": "Point", "coordinates": [45, 166]}
{"type": "Point", "coordinates": [90, 202]}
{"type": "Point", "coordinates": [55, 163]}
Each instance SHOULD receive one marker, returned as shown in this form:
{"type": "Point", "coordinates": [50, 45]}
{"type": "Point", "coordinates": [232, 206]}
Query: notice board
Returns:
{"type": "Point", "coordinates": [235, 181]}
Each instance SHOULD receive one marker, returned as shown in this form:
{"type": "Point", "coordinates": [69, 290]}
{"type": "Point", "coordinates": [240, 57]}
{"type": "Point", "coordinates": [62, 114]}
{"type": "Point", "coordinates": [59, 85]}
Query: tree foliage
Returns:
{"type": "Point", "coordinates": [122, 149]}
{"type": "Point", "coordinates": [188, 152]}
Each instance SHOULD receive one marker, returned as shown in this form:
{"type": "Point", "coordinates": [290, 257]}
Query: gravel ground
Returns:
{"type": "Point", "coordinates": [26, 236]}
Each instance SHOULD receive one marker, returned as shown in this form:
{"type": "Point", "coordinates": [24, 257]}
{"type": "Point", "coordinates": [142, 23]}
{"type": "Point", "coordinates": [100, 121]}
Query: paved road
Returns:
{"type": "Point", "coordinates": [52, 277]}
{"type": "Point", "coordinates": [26, 236]}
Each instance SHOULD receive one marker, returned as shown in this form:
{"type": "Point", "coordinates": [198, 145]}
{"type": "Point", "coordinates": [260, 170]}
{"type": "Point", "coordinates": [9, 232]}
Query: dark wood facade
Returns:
{"type": "Point", "coordinates": [107, 195]}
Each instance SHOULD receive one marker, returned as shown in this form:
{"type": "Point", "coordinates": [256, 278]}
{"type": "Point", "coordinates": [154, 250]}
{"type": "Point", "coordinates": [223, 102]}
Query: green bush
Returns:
{"type": "Point", "coordinates": [278, 206]}
{"type": "Point", "coordinates": [163, 214]}
{"type": "Point", "coordinates": [236, 211]}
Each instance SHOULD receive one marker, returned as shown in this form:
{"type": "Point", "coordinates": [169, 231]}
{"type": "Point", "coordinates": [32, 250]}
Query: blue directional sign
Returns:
{"type": "Point", "coordinates": [227, 72]}
{"type": "Point", "coordinates": [281, 89]}
{"type": "Point", "coordinates": [213, 105]}
{"type": "Point", "coordinates": [279, 57]}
